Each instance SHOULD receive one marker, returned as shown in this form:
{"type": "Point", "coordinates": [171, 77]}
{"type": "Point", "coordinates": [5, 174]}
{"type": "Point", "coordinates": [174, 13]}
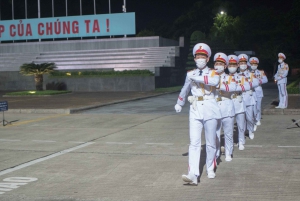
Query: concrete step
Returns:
{"type": "Point", "coordinates": [69, 59]}
{"type": "Point", "coordinates": [89, 55]}
{"type": "Point", "coordinates": [96, 51]}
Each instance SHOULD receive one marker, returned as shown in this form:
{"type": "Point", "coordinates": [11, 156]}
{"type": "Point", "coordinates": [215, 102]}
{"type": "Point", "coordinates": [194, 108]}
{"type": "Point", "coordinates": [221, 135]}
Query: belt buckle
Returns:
{"type": "Point", "coordinates": [219, 99]}
{"type": "Point", "coordinates": [234, 96]}
{"type": "Point", "coordinates": [200, 98]}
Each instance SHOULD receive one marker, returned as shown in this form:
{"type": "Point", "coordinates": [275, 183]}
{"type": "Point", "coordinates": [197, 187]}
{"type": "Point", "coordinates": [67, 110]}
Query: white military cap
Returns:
{"type": "Point", "coordinates": [202, 48]}
{"type": "Point", "coordinates": [233, 59]}
{"type": "Point", "coordinates": [254, 60]}
{"type": "Point", "coordinates": [221, 57]}
{"type": "Point", "coordinates": [281, 55]}
{"type": "Point", "coordinates": [243, 57]}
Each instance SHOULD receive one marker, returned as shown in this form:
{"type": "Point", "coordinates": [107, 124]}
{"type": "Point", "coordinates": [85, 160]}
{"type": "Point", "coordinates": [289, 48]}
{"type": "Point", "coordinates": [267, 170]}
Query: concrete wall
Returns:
{"type": "Point", "coordinates": [132, 83]}
{"type": "Point", "coordinates": [90, 44]}
{"type": "Point", "coordinates": [14, 81]}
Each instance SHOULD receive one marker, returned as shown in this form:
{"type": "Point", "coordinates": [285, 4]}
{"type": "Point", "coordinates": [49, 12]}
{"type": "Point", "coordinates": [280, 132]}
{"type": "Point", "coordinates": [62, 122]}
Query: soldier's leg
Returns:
{"type": "Point", "coordinates": [280, 95]}
{"type": "Point", "coordinates": [195, 145]}
{"type": "Point", "coordinates": [210, 127]}
{"type": "Point", "coordinates": [258, 108]}
{"type": "Point", "coordinates": [241, 124]}
{"type": "Point", "coordinates": [227, 124]}
{"type": "Point", "coordinates": [284, 96]}
{"type": "Point", "coordinates": [249, 118]}
{"type": "Point", "coordinates": [218, 140]}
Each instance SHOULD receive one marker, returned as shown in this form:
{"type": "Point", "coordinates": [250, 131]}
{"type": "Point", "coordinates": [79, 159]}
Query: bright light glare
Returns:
{"type": "Point", "coordinates": [32, 92]}
{"type": "Point", "coordinates": [222, 12]}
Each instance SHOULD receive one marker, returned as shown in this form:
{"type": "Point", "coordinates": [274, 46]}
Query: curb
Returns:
{"type": "Point", "coordinates": [273, 111]}
{"type": "Point", "coordinates": [77, 110]}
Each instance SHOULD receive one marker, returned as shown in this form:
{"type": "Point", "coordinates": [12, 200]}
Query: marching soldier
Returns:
{"type": "Point", "coordinates": [204, 112]}
{"type": "Point", "coordinates": [239, 105]}
{"type": "Point", "coordinates": [281, 79]}
{"type": "Point", "coordinates": [248, 97]}
{"type": "Point", "coordinates": [224, 98]}
{"type": "Point", "coordinates": [261, 76]}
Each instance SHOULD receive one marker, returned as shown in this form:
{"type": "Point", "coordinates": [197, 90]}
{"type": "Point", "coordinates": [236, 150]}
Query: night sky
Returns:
{"type": "Point", "coordinates": [147, 12]}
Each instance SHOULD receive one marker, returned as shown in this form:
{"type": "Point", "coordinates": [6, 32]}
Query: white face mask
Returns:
{"type": "Point", "coordinates": [219, 69]}
{"type": "Point", "coordinates": [232, 70]}
{"type": "Point", "coordinates": [201, 63]}
{"type": "Point", "coordinates": [253, 67]}
{"type": "Point", "coordinates": [243, 67]}
{"type": "Point", "coordinates": [280, 60]}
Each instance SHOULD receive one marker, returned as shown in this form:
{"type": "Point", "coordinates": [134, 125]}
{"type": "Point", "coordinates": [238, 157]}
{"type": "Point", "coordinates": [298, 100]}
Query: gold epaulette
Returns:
{"type": "Point", "coordinates": [191, 70]}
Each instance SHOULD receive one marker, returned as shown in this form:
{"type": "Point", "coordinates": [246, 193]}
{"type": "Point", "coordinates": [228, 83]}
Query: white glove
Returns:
{"type": "Point", "coordinates": [178, 108]}
{"type": "Point", "coordinates": [239, 98]}
{"type": "Point", "coordinates": [191, 99]}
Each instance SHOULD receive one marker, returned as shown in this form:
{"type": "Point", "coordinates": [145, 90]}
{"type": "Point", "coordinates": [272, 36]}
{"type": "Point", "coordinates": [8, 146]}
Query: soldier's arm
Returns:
{"type": "Point", "coordinates": [264, 78]}
{"type": "Point", "coordinates": [286, 71]}
{"type": "Point", "coordinates": [228, 87]}
{"type": "Point", "coordinates": [184, 91]}
{"type": "Point", "coordinates": [255, 82]}
{"type": "Point", "coordinates": [212, 80]}
{"type": "Point", "coordinates": [243, 87]}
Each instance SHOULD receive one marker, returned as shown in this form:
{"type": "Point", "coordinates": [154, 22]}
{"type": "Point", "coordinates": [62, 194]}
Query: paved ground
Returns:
{"type": "Point", "coordinates": [133, 151]}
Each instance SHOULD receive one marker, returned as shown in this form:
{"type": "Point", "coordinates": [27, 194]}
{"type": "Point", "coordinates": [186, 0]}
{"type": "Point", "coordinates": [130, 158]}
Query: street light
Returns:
{"type": "Point", "coordinates": [222, 12]}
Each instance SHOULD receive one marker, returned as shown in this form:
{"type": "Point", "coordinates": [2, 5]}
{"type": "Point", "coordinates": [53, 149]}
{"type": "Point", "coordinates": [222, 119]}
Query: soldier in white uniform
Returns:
{"type": "Point", "coordinates": [225, 94]}
{"type": "Point", "coordinates": [204, 112]}
{"type": "Point", "coordinates": [248, 97]}
{"type": "Point", "coordinates": [280, 77]}
{"type": "Point", "coordinates": [239, 105]}
{"type": "Point", "coordinates": [261, 76]}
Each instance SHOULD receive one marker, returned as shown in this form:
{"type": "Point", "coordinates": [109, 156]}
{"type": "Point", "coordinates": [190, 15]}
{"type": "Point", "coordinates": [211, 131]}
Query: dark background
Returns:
{"type": "Point", "coordinates": [264, 26]}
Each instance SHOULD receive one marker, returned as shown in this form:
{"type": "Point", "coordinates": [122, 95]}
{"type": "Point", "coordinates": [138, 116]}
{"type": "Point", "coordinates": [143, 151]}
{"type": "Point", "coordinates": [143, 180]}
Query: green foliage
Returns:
{"type": "Point", "coordinates": [197, 36]}
{"type": "Point", "coordinates": [36, 93]}
{"type": "Point", "coordinates": [102, 73]}
{"type": "Point", "coordinates": [226, 29]}
{"type": "Point", "coordinates": [294, 83]}
{"type": "Point", "coordinates": [169, 89]}
{"type": "Point", "coordinates": [29, 69]}
{"type": "Point", "coordinates": [293, 90]}
{"type": "Point", "coordinates": [146, 32]}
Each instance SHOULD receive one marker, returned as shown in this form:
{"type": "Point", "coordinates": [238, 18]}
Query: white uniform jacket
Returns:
{"type": "Point", "coordinates": [262, 78]}
{"type": "Point", "coordinates": [242, 86]}
{"type": "Point", "coordinates": [282, 72]}
{"type": "Point", "coordinates": [249, 97]}
{"type": "Point", "coordinates": [225, 94]}
{"type": "Point", "coordinates": [203, 88]}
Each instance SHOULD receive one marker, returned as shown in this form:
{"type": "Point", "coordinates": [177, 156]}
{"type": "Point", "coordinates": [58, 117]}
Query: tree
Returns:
{"type": "Point", "coordinates": [226, 29]}
{"type": "Point", "coordinates": [38, 70]}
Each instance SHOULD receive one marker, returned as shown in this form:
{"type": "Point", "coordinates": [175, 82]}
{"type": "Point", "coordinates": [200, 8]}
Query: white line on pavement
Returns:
{"type": "Point", "coordinates": [289, 146]}
{"type": "Point", "coordinates": [118, 143]}
{"type": "Point", "coordinates": [76, 142]}
{"type": "Point", "coordinates": [252, 145]}
{"type": "Point", "coordinates": [44, 158]}
{"type": "Point", "coordinates": [6, 140]}
{"type": "Point", "coordinates": [45, 141]}
{"type": "Point", "coordinates": [159, 143]}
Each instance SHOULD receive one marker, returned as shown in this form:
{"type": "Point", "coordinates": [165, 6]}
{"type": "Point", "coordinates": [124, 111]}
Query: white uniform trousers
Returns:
{"type": "Point", "coordinates": [195, 144]}
{"type": "Point", "coordinates": [241, 124]}
{"type": "Point", "coordinates": [283, 98]}
{"type": "Point", "coordinates": [250, 118]}
{"type": "Point", "coordinates": [227, 124]}
{"type": "Point", "coordinates": [258, 109]}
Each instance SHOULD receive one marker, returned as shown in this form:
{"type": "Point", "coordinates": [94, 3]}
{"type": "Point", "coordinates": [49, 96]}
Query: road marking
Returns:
{"type": "Point", "coordinates": [37, 120]}
{"type": "Point", "coordinates": [15, 182]}
{"type": "Point", "coordinates": [76, 142]}
{"type": "Point", "coordinates": [289, 146]}
{"type": "Point", "coordinates": [253, 145]}
{"type": "Point", "coordinates": [168, 144]}
{"type": "Point", "coordinates": [7, 140]}
{"type": "Point", "coordinates": [43, 159]}
{"type": "Point", "coordinates": [118, 143]}
{"type": "Point", "coordinates": [44, 141]}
